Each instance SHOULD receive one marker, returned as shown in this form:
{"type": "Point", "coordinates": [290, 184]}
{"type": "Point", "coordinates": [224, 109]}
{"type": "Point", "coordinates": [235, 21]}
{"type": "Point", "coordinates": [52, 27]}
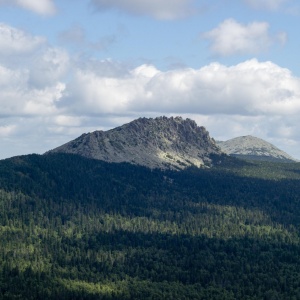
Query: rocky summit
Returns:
{"type": "Point", "coordinates": [251, 147]}
{"type": "Point", "coordinates": [165, 143]}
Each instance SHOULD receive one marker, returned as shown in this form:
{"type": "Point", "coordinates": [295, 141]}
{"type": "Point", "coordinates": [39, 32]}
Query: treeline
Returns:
{"type": "Point", "coordinates": [73, 228]}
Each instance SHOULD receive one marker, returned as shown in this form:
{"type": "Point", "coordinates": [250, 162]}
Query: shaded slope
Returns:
{"type": "Point", "coordinates": [76, 228]}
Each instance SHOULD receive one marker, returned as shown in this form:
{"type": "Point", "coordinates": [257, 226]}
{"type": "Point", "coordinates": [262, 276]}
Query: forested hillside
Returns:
{"type": "Point", "coordinates": [76, 228]}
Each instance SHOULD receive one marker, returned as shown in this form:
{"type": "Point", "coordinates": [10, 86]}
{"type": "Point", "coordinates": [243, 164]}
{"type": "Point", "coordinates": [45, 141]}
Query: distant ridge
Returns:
{"type": "Point", "coordinates": [251, 147]}
{"type": "Point", "coordinates": [162, 142]}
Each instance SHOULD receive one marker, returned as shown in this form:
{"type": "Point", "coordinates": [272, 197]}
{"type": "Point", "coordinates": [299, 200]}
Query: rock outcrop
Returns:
{"type": "Point", "coordinates": [162, 142]}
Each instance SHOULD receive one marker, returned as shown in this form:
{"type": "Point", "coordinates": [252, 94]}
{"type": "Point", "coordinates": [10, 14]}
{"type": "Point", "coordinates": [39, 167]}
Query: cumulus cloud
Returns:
{"type": "Point", "coordinates": [97, 93]}
{"type": "Point", "coordinates": [163, 10]}
{"type": "Point", "coordinates": [49, 67]}
{"type": "Point", "coordinates": [232, 37]}
{"type": "Point", "coordinates": [249, 88]}
{"type": "Point", "coordinates": [42, 7]}
{"type": "Point", "coordinates": [18, 98]}
{"type": "Point", "coordinates": [33, 86]}
{"type": "Point", "coordinates": [14, 41]}
{"type": "Point", "coordinates": [266, 4]}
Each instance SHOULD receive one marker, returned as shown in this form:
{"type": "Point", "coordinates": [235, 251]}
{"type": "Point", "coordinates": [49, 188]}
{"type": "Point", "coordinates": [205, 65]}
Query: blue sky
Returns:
{"type": "Point", "coordinates": [69, 67]}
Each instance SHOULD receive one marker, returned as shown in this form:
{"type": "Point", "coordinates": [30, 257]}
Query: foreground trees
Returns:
{"type": "Point", "coordinates": [73, 228]}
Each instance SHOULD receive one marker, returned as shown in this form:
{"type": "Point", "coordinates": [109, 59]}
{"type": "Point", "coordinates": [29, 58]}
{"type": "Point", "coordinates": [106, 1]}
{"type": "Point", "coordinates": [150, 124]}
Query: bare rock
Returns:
{"type": "Point", "coordinates": [162, 143]}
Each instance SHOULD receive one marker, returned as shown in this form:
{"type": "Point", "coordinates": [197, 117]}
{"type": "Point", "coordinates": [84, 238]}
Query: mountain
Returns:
{"type": "Point", "coordinates": [251, 147]}
{"type": "Point", "coordinates": [161, 143]}
{"type": "Point", "coordinates": [74, 227]}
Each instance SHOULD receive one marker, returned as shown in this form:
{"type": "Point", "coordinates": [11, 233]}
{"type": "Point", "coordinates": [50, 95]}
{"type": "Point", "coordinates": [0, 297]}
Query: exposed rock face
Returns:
{"type": "Point", "coordinates": [254, 148]}
{"type": "Point", "coordinates": [156, 143]}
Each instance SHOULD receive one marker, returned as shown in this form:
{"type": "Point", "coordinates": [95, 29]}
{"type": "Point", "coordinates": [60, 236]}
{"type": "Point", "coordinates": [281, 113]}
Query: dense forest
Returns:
{"type": "Point", "coordinates": [76, 228]}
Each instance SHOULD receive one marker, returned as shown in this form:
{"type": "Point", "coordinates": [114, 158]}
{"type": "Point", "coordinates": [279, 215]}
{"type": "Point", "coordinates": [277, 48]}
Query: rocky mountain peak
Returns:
{"type": "Point", "coordinates": [162, 142]}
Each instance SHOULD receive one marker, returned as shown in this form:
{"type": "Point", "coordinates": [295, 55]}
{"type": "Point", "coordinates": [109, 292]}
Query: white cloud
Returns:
{"type": "Point", "coordinates": [49, 67]}
{"type": "Point", "coordinates": [43, 101]}
{"type": "Point", "coordinates": [163, 10]}
{"type": "Point", "coordinates": [265, 4]}
{"type": "Point", "coordinates": [249, 88]}
{"type": "Point", "coordinates": [42, 7]}
{"type": "Point", "coordinates": [93, 92]}
{"type": "Point", "coordinates": [7, 130]}
{"type": "Point", "coordinates": [17, 98]}
{"type": "Point", "coordinates": [30, 74]}
{"type": "Point", "coordinates": [14, 41]}
{"type": "Point", "coordinates": [231, 37]}
{"type": "Point", "coordinates": [9, 78]}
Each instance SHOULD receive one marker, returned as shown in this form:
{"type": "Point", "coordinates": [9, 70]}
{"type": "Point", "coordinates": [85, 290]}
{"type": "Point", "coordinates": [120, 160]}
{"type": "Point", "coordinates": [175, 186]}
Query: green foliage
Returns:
{"type": "Point", "coordinates": [73, 228]}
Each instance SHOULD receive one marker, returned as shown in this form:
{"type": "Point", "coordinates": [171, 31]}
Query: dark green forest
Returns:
{"type": "Point", "coordinates": [75, 228]}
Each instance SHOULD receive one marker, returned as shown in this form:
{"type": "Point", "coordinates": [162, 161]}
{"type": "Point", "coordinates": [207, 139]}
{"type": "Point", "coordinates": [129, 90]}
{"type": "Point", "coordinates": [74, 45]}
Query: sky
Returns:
{"type": "Point", "coordinates": [72, 67]}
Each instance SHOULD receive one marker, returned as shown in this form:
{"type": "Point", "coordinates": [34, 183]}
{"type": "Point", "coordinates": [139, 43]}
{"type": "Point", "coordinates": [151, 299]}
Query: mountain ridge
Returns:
{"type": "Point", "coordinates": [162, 143]}
{"type": "Point", "coordinates": [168, 143]}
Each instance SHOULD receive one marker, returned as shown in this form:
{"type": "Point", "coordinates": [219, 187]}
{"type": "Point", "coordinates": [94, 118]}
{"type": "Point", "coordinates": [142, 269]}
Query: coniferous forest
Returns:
{"type": "Point", "coordinates": [76, 228]}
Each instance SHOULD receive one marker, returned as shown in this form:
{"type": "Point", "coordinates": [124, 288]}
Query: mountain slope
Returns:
{"type": "Point", "coordinates": [156, 143]}
{"type": "Point", "coordinates": [254, 148]}
{"type": "Point", "coordinates": [78, 228]}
